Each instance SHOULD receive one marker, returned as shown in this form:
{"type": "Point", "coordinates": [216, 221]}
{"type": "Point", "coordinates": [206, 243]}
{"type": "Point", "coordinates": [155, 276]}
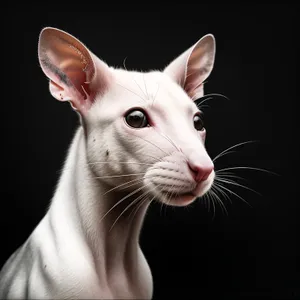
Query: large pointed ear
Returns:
{"type": "Point", "coordinates": [193, 66]}
{"type": "Point", "coordinates": [76, 75]}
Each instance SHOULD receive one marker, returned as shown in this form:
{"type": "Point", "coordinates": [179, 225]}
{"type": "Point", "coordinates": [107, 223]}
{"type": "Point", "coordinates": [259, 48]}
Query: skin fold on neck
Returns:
{"type": "Point", "coordinates": [113, 246]}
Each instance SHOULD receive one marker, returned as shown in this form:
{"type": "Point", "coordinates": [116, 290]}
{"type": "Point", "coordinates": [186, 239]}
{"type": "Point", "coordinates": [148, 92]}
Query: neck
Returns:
{"type": "Point", "coordinates": [84, 200]}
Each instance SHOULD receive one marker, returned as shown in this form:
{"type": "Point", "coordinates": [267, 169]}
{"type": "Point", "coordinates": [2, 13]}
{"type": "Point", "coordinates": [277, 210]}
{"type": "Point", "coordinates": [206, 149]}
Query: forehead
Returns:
{"type": "Point", "coordinates": [153, 89]}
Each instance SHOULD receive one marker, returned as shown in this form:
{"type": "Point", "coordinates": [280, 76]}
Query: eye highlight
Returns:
{"type": "Point", "coordinates": [198, 121]}
{"type": "Point", "coordinates": [137, 118]}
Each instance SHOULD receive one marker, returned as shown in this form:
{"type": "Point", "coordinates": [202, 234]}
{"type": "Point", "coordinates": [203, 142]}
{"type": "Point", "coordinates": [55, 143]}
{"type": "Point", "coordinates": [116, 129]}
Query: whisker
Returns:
{"type": "Point", "coordinates": [156, 159]}
{"type": "Point", "coordinates": [140, 205]}
{"type": "Point", "coordinates": [152, 144]}
{"type": "Point", "coordinates": [118, 176]}
{"type": "Point", "coordinates": [124, 63]}
{"type": "Point", "coordinates": [168, 139]}
{"type": "Point", "coordinates": [232, 147]}
{"type": "Point", "coordinates": [237, 184]}
{"type": "Point", "coordinates": [136, 181]}
{"type": "Point", "coordinates": [158, 86]}
{"type": "Point", "coordinates": [203, 106]}
{"type": "Point", "coordinates": [142, 202]}
{"type": "Point", "coordinates": [202, 200]}
{"type": "Point", "coordinates": [229, 175]}
{"type": "Point", "coordinates": [246, 168]}
{"type": "Point", "coordinates": [119, 162]}
{"type": "Point", "coordinates": [201, 103]}
{"type": "Point", "coordinates": [209, 194]}
{"type": "Point", "coordinates": [120, 201]}
{"type": "Point", "coordinates": [169, 200]}
{"type": "Point", "coordinates": [229, 152]}
{"type": "Point", "coordinates": [230, 191]}
{"type": "Point", "coordinates": [128, 206]}
{"type": "Point", "coordinates": [215, 94]}
{"type": "Point", "coordinates": [207, 201]}
{"type": "Point", "coordinates": [161, 207]}
{"type": "Point", "coordinates": [169, 197]}
{"type": "Point", "coordinates": [207, 97]}
{"type": "Point", "coordinates": [147, 95]}
{"type": "Point", "coordinates": [131, 91]}
{"type": "Point", "coordinates": [223, 193]}
{"type": "Point", "coordinates": [219, 201]}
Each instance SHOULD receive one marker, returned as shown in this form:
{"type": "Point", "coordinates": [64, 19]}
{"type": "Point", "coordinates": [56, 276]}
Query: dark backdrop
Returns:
{"type": "Point", "coordinates": [248, 254]}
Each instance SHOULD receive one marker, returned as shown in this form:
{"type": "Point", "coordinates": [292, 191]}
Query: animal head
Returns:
{"type": "Point", "coordinates": [143, 130]}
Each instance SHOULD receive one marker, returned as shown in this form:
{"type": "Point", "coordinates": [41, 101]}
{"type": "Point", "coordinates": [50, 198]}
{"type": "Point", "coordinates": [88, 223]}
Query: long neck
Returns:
{"type": "Point", "coordinates": [82, 200]}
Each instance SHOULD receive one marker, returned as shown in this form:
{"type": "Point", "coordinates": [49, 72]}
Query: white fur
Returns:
{"type": "Point", "coordinates": [74, 252]}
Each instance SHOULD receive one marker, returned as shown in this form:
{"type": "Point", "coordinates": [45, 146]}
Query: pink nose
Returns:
{"type": "Point", "coordinates": [201, 172]}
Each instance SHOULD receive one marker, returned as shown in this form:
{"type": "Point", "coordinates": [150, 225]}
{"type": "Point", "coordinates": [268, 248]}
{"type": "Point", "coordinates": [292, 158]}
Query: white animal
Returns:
{"type": "Point", "coordinates": [141, 138]}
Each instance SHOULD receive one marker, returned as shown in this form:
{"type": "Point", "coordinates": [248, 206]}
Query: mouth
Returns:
{"type": "Point", "coordinates": [186, 198]}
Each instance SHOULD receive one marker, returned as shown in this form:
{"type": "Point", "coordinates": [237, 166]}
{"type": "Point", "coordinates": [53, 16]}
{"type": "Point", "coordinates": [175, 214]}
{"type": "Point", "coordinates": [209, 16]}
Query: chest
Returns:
{"type": "Point", "coordinates": [134, 282]}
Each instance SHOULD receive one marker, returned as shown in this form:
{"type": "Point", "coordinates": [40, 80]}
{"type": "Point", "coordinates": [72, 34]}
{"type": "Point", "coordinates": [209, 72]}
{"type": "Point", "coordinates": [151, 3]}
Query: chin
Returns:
{"type": "Point", "coordinates": [188, 198]}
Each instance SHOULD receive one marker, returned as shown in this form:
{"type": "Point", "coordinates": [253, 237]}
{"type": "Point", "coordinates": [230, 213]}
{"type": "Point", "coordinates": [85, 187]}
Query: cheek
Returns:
{"type": "Point", "coordinates": [96, 149]}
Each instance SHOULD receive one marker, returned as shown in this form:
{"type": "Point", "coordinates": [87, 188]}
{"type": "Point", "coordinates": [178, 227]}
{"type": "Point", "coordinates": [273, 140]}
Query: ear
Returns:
{"type": "Point", "coordinates": [193, 66]}
{"type": "Point", "coordinates": [76, 75]}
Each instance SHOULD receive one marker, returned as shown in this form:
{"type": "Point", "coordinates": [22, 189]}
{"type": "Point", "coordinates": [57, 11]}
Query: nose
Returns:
{"type": "Point", "coordinates": [201, 171]}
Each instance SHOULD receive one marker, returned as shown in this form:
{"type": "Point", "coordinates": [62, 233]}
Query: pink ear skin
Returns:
{"type": "Point", "coordinates": [76, 75]}
{"type": "Point", "coordinates": [193, 66]}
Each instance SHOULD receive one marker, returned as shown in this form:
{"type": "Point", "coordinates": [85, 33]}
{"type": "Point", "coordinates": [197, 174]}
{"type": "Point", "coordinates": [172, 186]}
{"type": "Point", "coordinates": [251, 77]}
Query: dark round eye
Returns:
{"type": "Point", "coordinates": [198, 122]}
{"type": "Point", "coordinates": [136, 119]}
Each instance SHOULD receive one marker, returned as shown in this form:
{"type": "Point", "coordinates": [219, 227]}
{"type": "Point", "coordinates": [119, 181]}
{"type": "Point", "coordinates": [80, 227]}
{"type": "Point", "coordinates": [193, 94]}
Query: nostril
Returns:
{"type": "Point", "coordinates": [201, 172]}
{"type": "Point", "coordinates": [207, 172]}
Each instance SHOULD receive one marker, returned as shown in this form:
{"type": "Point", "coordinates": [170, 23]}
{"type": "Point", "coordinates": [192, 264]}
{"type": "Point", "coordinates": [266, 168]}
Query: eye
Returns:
{"type": "Point", "coordinates": [136, 119]}
{"type": "Point", "coordinates": [198, 122]}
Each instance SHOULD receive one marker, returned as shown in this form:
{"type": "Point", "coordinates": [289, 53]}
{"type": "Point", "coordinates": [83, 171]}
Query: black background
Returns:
{"type": "Point", "coordinates": [250, 253]}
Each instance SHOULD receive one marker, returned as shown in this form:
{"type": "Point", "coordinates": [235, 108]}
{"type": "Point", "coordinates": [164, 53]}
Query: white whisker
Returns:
{"type": "Point", "coordinates": [207, 202]}
{"type": "Point", "coordinates": [128, 206]}
{"type": "Point", "coordinates": [147, 95]}
{"type": "Point", "coordinates": [236, 184]}
{"type": "Point", "coordinates": [246, 168]}
{"type": "Point", "coordinates": [223, 193]}
{"type": "Point", "coordinates": [169, 197]}
{"type": "Point", "coordinates": [118, 176]}
{"type": "Point", "coordinates": [156, 159]}
{"type": "Point", "coordinates": [142, 202]}
{"type": "Point", "coordinates": [229, 152]}
{"type": "Point", "coordinates": [232, 147]}
{"type": "Point", "coordinates": [229, 175]}
{"type": "Point", "coordinates": [231, 192]}
{"type": "Point", "coordinates": [203, 106]}
{"type": "Point", "coordinates": [168, 139]}
{"type": "Point", "coordinates": [132, 92]}
{"type": "Point", "coordinates": [140, 88]}
{"type": "Point", "coordinates": [152, 144]}
{"type": "Point", "coordinates": [135, 181]}
{"type": "Point", "coordinates": [206, 99]}
{"type": "Point", "coordinates": [219, 200]}
{"type": "Point", "coordinates": [119, 162]}
{"type": "Point", "coordinates": [158, 86]}
{"type": "Point", "coordinates": [211, 199]}
{"type": "Point", "coordinates": [120, 201]}
{"type": "Point", "coordinates": [138, 206]}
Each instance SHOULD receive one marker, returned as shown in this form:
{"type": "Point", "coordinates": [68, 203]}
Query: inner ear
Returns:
{"type": "Point", "coordinates": [193, 66]}
{"type": "Point", "coordinates": [69, 66]}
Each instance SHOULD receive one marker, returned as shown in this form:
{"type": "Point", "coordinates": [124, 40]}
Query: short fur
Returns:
{"type": "Point", "coordinates": [87, 244]}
